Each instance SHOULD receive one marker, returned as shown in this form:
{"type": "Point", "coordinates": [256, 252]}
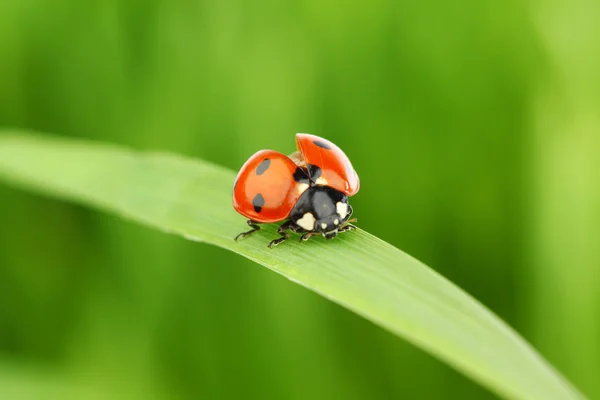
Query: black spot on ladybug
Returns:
{"type": "Point", "coordinates": [322, 145]}
{"type": "Point", "coordinates": [301, 175]}
{"type": "Point", "coordinates": [258, 202]}
{"type": "Point", "coordinates": [314, 172]}
{"type": "Point", "coordinates": [263, 166]}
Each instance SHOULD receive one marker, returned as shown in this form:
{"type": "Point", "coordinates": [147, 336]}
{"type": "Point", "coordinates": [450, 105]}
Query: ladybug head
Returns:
{"type": "Point", "coordinates": [328, 226]}
{"type": "Point", "coordinates": [322, 209]}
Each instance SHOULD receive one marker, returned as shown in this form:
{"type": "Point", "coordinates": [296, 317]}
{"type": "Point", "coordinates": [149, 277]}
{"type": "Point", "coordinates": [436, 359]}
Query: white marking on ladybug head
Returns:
{"type": "Point", "coordinates": [321, 181]}
{"type": "Point", "coordinates": [301, 187]}
{"type": "Point", "coordinates": [307, 222]}
{"type": "Point", "coordinates": [336, 221]}
{"type": "Point", "coordinates": [323, 226]}
{"type": "Point", "coordinates": [342, 209]}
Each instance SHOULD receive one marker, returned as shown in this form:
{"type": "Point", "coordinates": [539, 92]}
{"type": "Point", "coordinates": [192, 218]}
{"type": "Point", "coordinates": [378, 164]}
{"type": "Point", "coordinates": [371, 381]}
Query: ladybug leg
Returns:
{"type": "Point", "coordinates": [347, 228]}
{"type": "Point", "coordinates": [297, 228]}
{"type": "Point", "coordinates": [308, 235]}
{"type": "Point", "coordinates": [282, 231]}
{"type": "Point", "coordinates": [255, 228]}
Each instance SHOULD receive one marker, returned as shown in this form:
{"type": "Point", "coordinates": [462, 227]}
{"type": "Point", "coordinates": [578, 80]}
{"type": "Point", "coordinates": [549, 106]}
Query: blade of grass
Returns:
{"type": "Point", "coordinates": [24, 382]}
{"type": "Point", "coordinates": [192, 198]}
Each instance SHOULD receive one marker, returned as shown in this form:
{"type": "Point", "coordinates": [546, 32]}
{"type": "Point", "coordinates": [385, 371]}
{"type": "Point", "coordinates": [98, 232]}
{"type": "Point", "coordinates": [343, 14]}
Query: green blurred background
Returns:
{"type": "Point", "coordinates": [474, 126]}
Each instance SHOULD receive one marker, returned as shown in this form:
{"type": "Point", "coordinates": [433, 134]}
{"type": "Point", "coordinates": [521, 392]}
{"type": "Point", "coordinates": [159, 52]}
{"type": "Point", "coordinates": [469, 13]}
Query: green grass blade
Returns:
{"type": "Point", "coordinates": [192, 198]}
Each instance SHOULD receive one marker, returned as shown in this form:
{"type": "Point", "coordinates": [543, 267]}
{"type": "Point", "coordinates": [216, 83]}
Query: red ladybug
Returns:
{"type": "Point", "coordinates": [310, 189]}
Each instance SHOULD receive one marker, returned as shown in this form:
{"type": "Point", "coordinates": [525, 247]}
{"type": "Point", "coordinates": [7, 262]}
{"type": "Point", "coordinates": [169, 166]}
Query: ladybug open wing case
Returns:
{"type": "Point", "coordinates": [268, 186]}
{"type": "Point", "coordinates": [327, 164]}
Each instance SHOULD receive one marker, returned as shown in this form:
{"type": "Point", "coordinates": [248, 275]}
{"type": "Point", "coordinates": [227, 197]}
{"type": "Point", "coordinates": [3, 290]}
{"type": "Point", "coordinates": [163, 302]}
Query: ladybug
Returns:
{"type": "Point", "coordinates": [309, 189]}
